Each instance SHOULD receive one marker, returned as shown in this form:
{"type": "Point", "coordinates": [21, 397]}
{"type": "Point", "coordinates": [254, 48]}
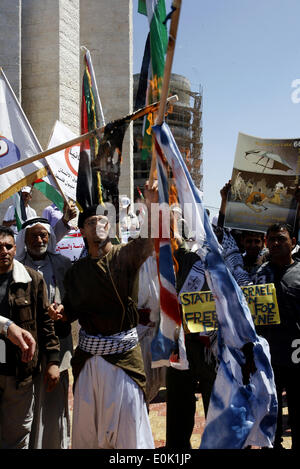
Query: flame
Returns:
{"type": "Point", "coordinates": [153, 93]}
{"type": "Point", "coordinates": [151, 122]}
{"type": "Point", "coordinates": [187, 157]}
{"type": "Point", "coordinates": [155, 86]}
{"type": "Point", "coordinates": [173, 194]}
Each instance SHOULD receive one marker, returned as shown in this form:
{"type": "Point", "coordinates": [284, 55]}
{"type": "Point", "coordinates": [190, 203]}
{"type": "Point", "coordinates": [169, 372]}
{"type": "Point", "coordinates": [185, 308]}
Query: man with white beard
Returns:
{"type": "Point", "coordinates": [36, 248]}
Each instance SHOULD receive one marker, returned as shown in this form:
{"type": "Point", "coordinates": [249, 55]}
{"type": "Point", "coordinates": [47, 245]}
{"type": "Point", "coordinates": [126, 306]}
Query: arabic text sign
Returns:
{"type": "Point", "coordinates": [199, 310]}
{"type": "Point", "coordinates": [64, 164]}
{"type": "Point", "coordinates": [71, 245]}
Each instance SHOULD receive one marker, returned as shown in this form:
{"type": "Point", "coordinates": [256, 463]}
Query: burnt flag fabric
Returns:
{"type": "Point", "coordinates": [100, 158]}
{"type": "Point", "coordinates": [88, 189]}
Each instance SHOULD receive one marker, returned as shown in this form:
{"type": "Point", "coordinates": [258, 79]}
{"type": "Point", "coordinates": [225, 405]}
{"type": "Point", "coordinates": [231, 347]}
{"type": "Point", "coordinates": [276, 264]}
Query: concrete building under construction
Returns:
{"type": "Point", "coordinates": [185, 122]}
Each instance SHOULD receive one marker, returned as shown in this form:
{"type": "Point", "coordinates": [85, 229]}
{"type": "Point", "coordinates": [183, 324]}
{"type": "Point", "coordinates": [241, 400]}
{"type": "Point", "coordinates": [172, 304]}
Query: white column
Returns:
{"type": "Point", "coordinates": [10, 42]}
{"type": "Point", "coordinates": [10, 55]}
{"type": "Point", "coordinates": [106, 30]}
{"type": "Point", "coordinates": [50, 64]}
{"type": "Point", "coordinates": [50, 69]}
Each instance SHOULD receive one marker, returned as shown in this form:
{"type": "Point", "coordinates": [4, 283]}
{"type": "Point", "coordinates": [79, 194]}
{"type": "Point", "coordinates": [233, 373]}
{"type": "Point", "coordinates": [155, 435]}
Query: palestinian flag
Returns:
{"type": "Point", "coordinates": [155, 10]}
{"type": "Point", "coordinates": [50, 192]}
{"type": "Point", "coordinates": [19, 209]}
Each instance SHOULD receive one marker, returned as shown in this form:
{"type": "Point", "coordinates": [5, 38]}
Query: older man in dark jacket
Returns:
{"type": "Point", "coordinates": [24, 300]}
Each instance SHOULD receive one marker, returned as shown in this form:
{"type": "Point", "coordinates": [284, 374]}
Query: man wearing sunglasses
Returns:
{"type": "Point", "coordinates": [110, 411]}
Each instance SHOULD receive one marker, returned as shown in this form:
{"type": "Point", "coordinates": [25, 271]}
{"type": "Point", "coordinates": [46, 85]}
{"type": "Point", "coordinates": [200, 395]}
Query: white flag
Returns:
{"type": "Point", "coordinates": [64, 163]}
{"type": "Point", "coordinates": [17, 142]}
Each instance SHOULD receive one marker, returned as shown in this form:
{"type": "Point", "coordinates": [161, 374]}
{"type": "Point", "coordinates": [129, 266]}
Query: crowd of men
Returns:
{"type": "Point", "coordinates": [42, 293]}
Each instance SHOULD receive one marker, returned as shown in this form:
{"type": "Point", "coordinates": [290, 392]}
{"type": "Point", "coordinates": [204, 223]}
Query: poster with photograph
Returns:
{"type": "Point", "coordinates": [264, 178]}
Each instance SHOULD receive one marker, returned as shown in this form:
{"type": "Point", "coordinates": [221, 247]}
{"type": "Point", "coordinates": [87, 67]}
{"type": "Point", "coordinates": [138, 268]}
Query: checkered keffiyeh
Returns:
{"type": "Point", "coordinates": [108, 345]}
{"type": "Point", "coordinates": [234, 259]}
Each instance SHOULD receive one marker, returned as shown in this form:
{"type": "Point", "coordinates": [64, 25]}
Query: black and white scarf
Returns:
{"type": "Point", "coordinates": [108, 345]}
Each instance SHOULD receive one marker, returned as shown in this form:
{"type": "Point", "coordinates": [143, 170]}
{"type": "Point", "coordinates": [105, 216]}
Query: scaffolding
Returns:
{"type": "Point", "coordinates": [185, 122]}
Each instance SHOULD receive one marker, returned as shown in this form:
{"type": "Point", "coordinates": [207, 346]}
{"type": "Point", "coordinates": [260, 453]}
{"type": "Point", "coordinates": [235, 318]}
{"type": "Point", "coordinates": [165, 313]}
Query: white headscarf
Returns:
{"type": "Point", "coordinates": [20, 239]}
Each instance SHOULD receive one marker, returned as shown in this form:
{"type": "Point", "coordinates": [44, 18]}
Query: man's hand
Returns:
{"type": "Point", "coordinates": [69, 212]}
{"type": "Point", "coordinates": [225, 189]}
{"type": "Point", "coordinates": [24, 340]}
{"type": "Point", "coordinates": [224, 193]}
{"type": "Point", "coordinates": [151, 197]}
{"type": "Point", "coordinates": [56, 312]}
{"type": "Point", "coordinates": [151, 193]}
{"type": "Point", "coordinates": [51, 376]}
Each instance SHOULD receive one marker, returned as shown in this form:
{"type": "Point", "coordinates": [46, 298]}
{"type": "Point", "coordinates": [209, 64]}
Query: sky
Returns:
{"type": "Point", "coordinates": [245, 54]}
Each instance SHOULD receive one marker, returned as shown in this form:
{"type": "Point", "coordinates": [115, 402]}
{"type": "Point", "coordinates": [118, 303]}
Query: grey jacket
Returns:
{"type": "Point", "coordinates": [60, 264]}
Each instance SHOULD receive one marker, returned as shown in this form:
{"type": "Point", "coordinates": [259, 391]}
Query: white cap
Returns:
{"type": "Point", "coordinates": [125, 201]}
{"type": "Point", "coordinates": [215, 220]}
{"type": "Point", "coordinates": [26, 189]}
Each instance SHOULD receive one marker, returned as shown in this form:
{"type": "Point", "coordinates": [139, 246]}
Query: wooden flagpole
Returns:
{"type": "Point", "coordinates": [58, 186]}
{"type": "Point", "coordinates": [169, 61]}
{"type": "Point", "coordinates": [167, 75]}
{"type": "Point", "coordinates": [96, 132]}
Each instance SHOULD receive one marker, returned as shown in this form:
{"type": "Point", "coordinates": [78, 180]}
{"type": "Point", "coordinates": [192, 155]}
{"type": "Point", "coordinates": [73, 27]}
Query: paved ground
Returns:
{"type": "Point", "coordinates": [158, 422]}
{"type": "Point", "coordinates": [157, 415]}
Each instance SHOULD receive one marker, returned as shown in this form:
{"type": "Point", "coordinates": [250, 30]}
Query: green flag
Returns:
{"type": "Point", "coordinates": [155, 10]}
